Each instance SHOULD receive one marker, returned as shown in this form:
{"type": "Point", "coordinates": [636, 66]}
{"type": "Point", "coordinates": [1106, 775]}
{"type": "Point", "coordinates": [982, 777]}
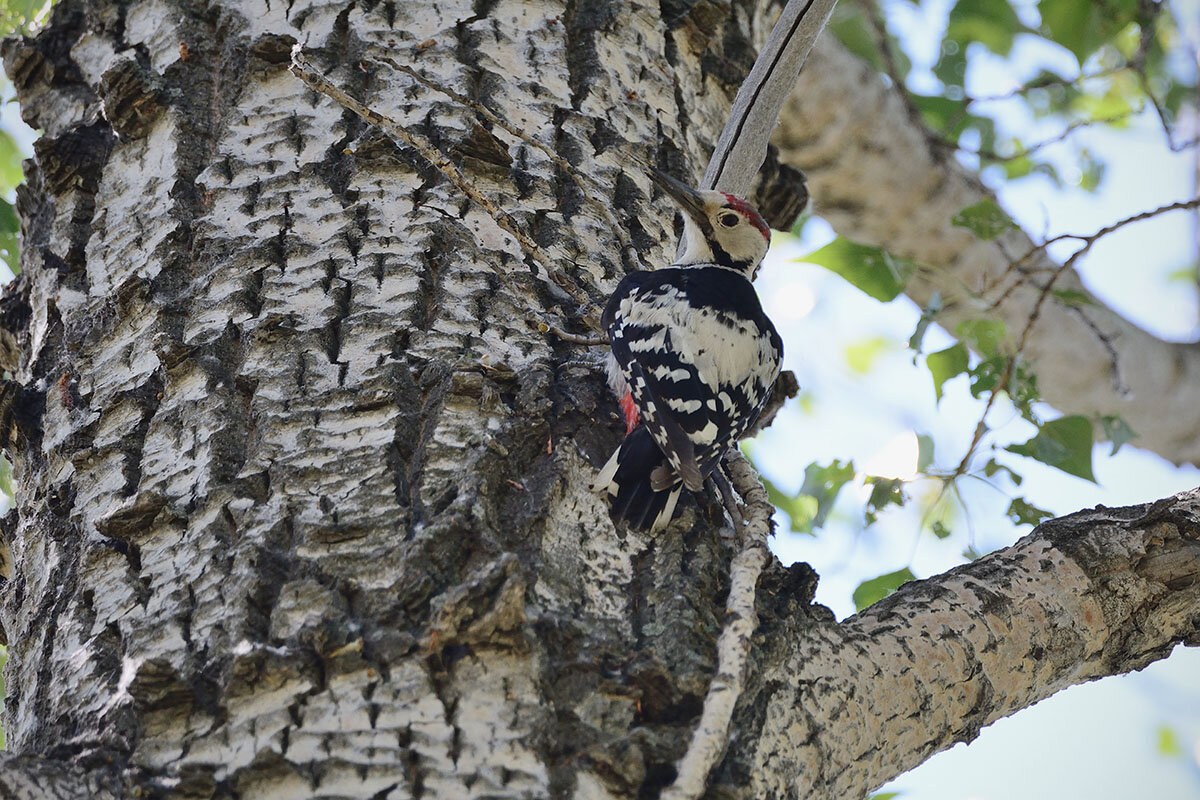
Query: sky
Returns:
{"type": "Point", "coordinates": [1100, 740]}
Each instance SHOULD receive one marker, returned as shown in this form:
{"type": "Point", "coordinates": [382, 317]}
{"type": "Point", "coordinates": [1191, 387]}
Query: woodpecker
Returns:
{"type": "Point", "coordinates": [693, 357]}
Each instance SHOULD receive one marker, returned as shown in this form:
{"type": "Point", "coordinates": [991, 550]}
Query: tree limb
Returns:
{"type": "Point", "coordinates": [712, 730]}
{"type": "Point", "coordinates": [1096, 593]}
{"type": "Point", "coordinates": [879, 179]}
{"type": "Point", "coordinates": [743, 144]}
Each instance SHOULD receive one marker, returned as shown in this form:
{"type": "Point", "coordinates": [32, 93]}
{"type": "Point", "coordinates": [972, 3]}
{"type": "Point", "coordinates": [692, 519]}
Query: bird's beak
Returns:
{"type": "Point", "coordinates": [684, 196]}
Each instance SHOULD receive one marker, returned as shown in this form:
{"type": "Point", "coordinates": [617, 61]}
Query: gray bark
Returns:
{"type": "Point", "coordinates": [304, 505]}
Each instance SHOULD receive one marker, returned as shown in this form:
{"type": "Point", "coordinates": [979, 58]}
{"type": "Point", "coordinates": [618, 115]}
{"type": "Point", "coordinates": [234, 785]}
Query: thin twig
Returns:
{"type": "Point", "coordinates": [577, 338]}
{"type": "Point", "coordinates": [711, 734]}
{"type": "Point", "coordinates": [981, 427]}
{"type": "Point", "coordinates": [1088, 242]}
{"type": "Point", "coordinates": [303, 70]}
{"type": "Point", "coordinates": [590, 188]}
{"type": "Point", "coordinates": [1087, 239]}
{"type": "Point", "coordinates": [1047, 83]}
{"type": "Point", "coordinates": [878, 25]}
{"type": "Point", "coordinates": [1025, 152]}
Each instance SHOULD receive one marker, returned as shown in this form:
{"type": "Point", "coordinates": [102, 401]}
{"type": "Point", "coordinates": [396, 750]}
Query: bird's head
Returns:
{"type": "Point", "coordinates": [718, 227]}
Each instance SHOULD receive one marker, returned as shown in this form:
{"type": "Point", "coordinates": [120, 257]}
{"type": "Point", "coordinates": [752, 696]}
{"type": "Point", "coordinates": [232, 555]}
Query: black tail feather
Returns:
{"type": "Point", "coordinates": [626, 479]}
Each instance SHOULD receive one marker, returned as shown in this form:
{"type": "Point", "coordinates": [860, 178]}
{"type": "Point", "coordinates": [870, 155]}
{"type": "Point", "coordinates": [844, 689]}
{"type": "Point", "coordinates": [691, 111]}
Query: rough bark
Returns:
{"type": "Point", "coordinates": [305, 506]}
{"type": "Point", "coordinates": [1096, 593]}
{"type": "Point", "coordinates": [879, 178]}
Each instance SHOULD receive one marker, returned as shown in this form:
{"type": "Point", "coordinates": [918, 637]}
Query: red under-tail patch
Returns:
{"type": "Point", "coordinates": [749, 212]}
{"type": "Point", "coordinates": [630, 410]}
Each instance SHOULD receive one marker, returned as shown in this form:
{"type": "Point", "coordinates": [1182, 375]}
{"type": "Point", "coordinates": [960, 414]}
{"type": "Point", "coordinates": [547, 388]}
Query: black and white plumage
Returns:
{"type": "Point", "coordinates": [693, 357]}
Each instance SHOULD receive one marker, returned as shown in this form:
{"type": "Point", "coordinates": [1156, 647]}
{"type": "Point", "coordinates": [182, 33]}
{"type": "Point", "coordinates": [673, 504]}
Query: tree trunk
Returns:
{"type": "Point", "coordinates": [304, 504]}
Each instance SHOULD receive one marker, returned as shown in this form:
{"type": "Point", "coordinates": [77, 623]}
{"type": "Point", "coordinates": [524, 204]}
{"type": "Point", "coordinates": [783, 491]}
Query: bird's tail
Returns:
{"type": "Point", "coordinates": [626, 480]}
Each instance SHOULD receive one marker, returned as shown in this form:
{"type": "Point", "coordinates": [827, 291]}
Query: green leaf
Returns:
{"type": "Point", "coordinates": [884, 796]}
{"type": "Point", "coordinates": [884, 492]}
{"type": "Point", "coordinates": [1064, 443]}
{"type": "Point", "coordinates": [985, 219]}
{"type": "Point", "coordinates": [949, 117]}
{"type": "Point", "coordinates": [971, 554]}
{"type": "Point", "coordinates": [992, 23]}
{"type": "Point", "coordinates": [824, 484]}
{"type": "Point", "coordinates": [876, 272]}
{"type": "Point", "coordinates": [1023, 512]}
{"type": "Point", "coordinates": [951, 68]}
{"type": "Point", "coordinates": [1082, 26]}
{"type": "Point", "coordinates": [992, 467]}
{"type": "Point", "coordinates": [1168, 742]}
{"type": "Point", "coordinates": [945, 364]}
{"type": "Point", "coordinates": [801, 509]}
{"type": "Point", "coordinates": [875, 589]}
{"type": "Point", "coordinates": [1091, 171]}
{"type": "Point", "coordinates": [11, 174]}
{"type": "Point", "coordinates": [9, 241]}
{"type": "Point", "coordinates": [939, 529]}
{"type": "Point", "coordinates": [1116, 430]}
{"type": "Point", "coordinates": [1073, 298]}
{"type": "Point", "coordinates": [983, 335]}
{"type": "Point", "coordinates": [985, 376]}
{"type": "Point", "coordinates": [6, 484]}
{"type": "Point", "coordinates": [1189, 274]}
{"type": "Point", "coordinates": [862, 355]}
{"type": "Point", "coordinates": [811, 506]}
{"type": "Point", "coordinates": [924, 451]}
{"type": "Point", "coordinates": [851, 30]}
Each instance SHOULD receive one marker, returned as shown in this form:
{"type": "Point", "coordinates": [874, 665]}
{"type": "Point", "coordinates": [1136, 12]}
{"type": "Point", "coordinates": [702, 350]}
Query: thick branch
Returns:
{"type": "Point", "coordinates": [743, 144]}
{"type": "Point", "coordinates": [878, 178]}
{"type": "Point", "coordinates": [1096, 593]}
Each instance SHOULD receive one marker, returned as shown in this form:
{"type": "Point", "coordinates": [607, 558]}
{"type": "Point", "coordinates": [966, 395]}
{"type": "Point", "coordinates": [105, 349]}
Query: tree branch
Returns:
{"type": "Point", "coordinates": [1096, 593]}
{"type": "Point", "coordinates": [879, 179]}
{"type": "Point", "coordinates": [743, 144]}
{"type": "Point", "coordinates": [711, 735]}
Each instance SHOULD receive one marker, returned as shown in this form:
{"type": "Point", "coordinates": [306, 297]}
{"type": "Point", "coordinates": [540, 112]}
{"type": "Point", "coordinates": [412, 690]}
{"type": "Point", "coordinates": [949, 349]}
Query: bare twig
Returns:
{"type": "Point", "coordinates": [711, 735]}
{"type": "Point", "coordinates": [1047, 83]}
{"type": "Point", "coordinates": [545, 327]}
{"type": "Point", "coordinates": [981, 427]}
{"type": "Point", "coordinates": [1044, 292]}
{"type": "Point", "coordinates": [303, 70]}
{"type": "Point", "coordinates": [1087, 239]}
{"type": "Point", "coordinates": [1024, 152]}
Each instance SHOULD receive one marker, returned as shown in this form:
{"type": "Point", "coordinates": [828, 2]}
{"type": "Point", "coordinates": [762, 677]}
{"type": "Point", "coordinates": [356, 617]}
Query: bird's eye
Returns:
{"type": "Point", "coordinates": [728, 220]}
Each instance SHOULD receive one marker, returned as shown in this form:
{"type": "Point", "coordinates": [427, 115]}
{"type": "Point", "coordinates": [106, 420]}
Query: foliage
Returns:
{"type": "Point", "coordinates": [874, 270]}
{"type": "Point", "coordinates": [19, 16]}
{"type": "Point", "coordinates": [810, 507]}
{"type": "Point", "coordinates": [1065, 443]}
{"type": "Point", "coordinates": [1123, 49]}
{"type": "Point", "coordinates": [986, 219]}
{"type": "Point", "coordinates": [874, 590]}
